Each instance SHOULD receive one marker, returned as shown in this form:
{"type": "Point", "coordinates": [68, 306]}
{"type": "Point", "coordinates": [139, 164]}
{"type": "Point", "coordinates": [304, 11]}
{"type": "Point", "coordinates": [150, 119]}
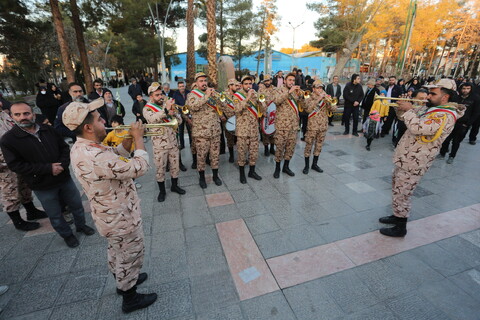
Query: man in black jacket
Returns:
{"type": "Point", "coordinates": [472, 102]}
{"type": "Point", "coordinates": [134, 89]}
{"type": "Point", "coordinates": [334, 90]}
{"type": "Point", "coordinates": [393, 91]}
{"type": "Point", "coordinates": [353, 95]}
{"type": "Point", "coordinates": [41, 156]}
{"type": "Point", "coordinates": [367, 101]}
{"type": "Point", "coordinates": [75, 91]}
{"type": "Point", "coordinates": [98, 90]}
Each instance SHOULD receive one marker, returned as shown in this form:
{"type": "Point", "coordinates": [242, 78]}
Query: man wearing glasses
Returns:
{"type": "Point", "coordinates": [75, 91]}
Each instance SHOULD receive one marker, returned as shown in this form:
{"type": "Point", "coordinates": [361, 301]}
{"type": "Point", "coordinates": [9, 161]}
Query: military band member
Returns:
{"type": "Point", "coordinates": [269, 91]}
{"type": "Point", "coordinates": [286, 123]}
{"type": "Point", "coordinates": [206, 127]}
{"type": "Point", "coordinates": [318, 110]}
{"type": "Point", "coordinates": [228, 109]}
{"type": "Point", "coordinates": [427, 128]}
{"type": "Point", "coordinates": [247, 110]}
{"type": "Point", "coordinates": [165, 146]}
{"type": "Point", "coordinates": [13, 188]}
{"type": "Point", "coordinates": [106, 175]}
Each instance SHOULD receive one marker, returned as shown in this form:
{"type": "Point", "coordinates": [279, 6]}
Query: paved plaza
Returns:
{"type": "Point", "coordinates": [303, 247]}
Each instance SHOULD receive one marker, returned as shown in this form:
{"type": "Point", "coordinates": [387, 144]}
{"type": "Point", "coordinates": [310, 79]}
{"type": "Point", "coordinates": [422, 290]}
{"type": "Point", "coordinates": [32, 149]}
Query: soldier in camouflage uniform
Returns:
{"type": "Point", "coordinates": [427, 128]}
{"type": "Point", "coordinates": [318, 110]}
{"type": "Point", "coordinates": [228, 109]}
{"type": "Point", "coordinates": [206, 127]}
{"type": "Point", "coordinates": [267, 89]}
{"type": "Point", "coordinates": [287, 118]}
{"type": "Point", "coordinates": [165, 146]}
{"type": "Point", "coordinates": [106, 175]}
{"type": "Point", "coordinates": [247, 110]}
{"type": "Point", "coordinates": [13, 188]}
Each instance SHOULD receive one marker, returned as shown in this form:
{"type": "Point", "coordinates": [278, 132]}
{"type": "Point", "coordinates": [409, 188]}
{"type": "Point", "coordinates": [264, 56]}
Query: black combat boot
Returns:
{"type": "Point", "coordinates": [253, 174]}
{"type": "Point", "coordinates": [181, 165]}
{"type": "Point", "coordinates": [216, 179]}
{"type": "Point", "coordinates": [34, 213]}
{"type": "Point", "coordinates": [315, 166]}
{"type": "Point", "coordinates": [286, 169]}
{"type": "Point", "coordinates": [194, 163]}
{"type": "Point", "coordinates": [276, 174]}
{"type": "Point", "coordinates": [307, 165]}
{"type": "Point", "coordinates": [230, 152]}
{"type": "Point", "coordinates": [163, 193]}
{"type": "Point", "coordinates": [134, 301]}
{"type": "Point", "coordinates": [390, 219]}
{"type": "Point", "coordinates": [272, 149]}
{"type": "Point", "coordinates": [21, 224]}
{"type": "Point", "coordinates": [175, 187]}
{"type": "Point", "coordinates": [398, 230]}
{"type": "Point", "coordinates": [201, 181]}
{"type": "Point", "coordinates": [243, 179]}
{"type": "Point", "coordinates": [141, 279]}
{"type": "Point", "coordinates": [267, 152]}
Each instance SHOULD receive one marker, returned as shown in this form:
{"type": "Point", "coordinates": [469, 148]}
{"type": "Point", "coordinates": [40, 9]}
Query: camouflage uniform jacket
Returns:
{"type": "Point", "coordinates": [318, 121]}
{"type": "Point", "coordinates": [205, 120]}
{"type": "Point", "coordinates": [228, 104]}
{"type": "Point", "coordinates": [6, 123]}
{"type": "Point", "coordinates": [413, 154]}
{"type": "Point", "coordinates": [268, 92]}
{"type": "Point", "coordinates": [247, 122]}
{"type": "Point", "coordinates": [286, 118]}
{"type": "Point", "coordinates": [169, 137]}
{"type": "Point", "coordinates": [105, 174]}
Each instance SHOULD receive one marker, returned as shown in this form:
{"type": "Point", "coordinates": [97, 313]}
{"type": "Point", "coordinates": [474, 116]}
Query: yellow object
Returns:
{"type": "Point", "coordinates": [433, 117]}
{"type": "Point", "coordinates": [172, 124]}
{"type": "Point", "coordinates": [112, 140]}
{"type": "Point", "coordinates": [381, 108]}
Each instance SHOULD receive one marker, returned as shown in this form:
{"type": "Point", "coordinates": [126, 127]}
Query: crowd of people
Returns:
{"type": "Point", "coordinates": [106, 158]}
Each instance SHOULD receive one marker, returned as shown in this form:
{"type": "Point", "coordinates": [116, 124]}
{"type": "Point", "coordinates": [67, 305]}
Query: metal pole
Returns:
{"type": "Point", "coordinates": [293, 45]}
{"type": "Point", "coordinates": [105, 60]}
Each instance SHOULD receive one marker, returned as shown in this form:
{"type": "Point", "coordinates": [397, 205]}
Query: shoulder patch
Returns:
{"type": "Point", "coordinates": [124, 159]}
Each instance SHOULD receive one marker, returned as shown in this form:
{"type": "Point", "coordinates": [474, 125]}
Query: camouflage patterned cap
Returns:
{"type": "Point", "coordinates": [318, 84]}
{"type": "Point", "coordinates": [199, 75]}
{"type": "Point", "coordinates": [232, 81]}
{"type": "Point", "coordinates": [154, 87]}
{"type": "Point", "coordinates": [267, 77]}
{"type": "Point", "coordinates": [246, 77]}
{"type": "Point", "coordinates": [444, 83]}
{"type": "Point", "coordinates": [76, 112]}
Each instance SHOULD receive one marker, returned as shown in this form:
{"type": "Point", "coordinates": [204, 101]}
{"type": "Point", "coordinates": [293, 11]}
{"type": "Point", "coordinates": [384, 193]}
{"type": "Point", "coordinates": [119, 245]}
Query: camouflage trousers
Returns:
{"type": "Point", "coordinates": [229, 136]}
{"type": "Point", "coordinates": [268, 139]}
{"type": "Point", "coordinates": [125, 257]}
{"type": "Point", "coordinates": [311, 137]}
{"type": "Point", "coordinates": [13, 190]}
{"type": "Point", "coordinates": [161, 157]}
{"type": "Point", "coordinates": [206, 146]}
{"type": "Point", "coordinates": [403, 185]}
{"type": "Point", "coordinates": [244, 145]}
{"type": "Point", "coordinates": [285, 142]}
{"type": "Point", "coordinates": [193, 146]}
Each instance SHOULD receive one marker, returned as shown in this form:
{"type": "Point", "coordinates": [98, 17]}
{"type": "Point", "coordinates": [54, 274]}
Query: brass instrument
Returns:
{"type": "Point", "coordinates": [185, 109]}
{"type": "Point", "coordinates": [254, 97]}
{"type": "Point", "coordinates": [261, 97]}
{"type": "Point", "coordinates": [219, 96]}
{"type": "Point", "coordinates": [393, 104]}
{"type": "Point", "coordinates": [332, 100]}
{"type": "Point", "coordinates": [172, 124]}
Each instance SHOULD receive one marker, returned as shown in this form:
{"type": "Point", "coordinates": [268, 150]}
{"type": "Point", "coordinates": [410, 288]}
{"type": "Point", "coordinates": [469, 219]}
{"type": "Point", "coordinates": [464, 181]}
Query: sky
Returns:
{"type": "Point", "coordinates": [294, 11]}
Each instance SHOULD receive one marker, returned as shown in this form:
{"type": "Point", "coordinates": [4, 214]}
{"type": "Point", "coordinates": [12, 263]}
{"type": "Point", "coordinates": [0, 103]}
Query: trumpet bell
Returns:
{"type": "Point", "coordinates": [306, 94]}
{"type": "Point", "coordinates": [261, 97]}
{"type": "Point", "coordinates": [185, 109]}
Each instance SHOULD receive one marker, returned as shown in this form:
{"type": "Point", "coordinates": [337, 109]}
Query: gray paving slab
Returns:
{"type": "Point", "coordinates": [77, 310]}
{"type": "Point", "coordinates": [174, 300]}
{"type": "Point", "coordinates": [55, 263]}
{"type": "Point", "coordinates": [229, 312]}
{"type": "Point", "coordinates": [468, 281]}
{"type": "Point", "coordinates": [274, 244]}
{"type": "Point", "coordinates": [269, 306]}
{"type": "Point", "coordinates": [84, 285]}
{"type": "Point", "coordinates": [462, 249]}
{"type": "Point", "coordinates": [37, 315]}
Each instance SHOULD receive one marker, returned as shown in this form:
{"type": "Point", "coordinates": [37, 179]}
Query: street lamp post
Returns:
{"type": "Point", "coordinates": [293, 44]}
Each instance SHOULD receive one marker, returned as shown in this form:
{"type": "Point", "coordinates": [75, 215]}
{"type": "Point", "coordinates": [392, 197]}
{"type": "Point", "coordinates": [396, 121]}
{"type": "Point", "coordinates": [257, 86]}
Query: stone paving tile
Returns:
{"type": "Point", "coordinates": [54, 263]}
{"type": "Point", "coordinates": [29, 247]}
{"type": "Point", "coordinates": [472, 237]}
{"type": "Point", "coordinates": [85, 285]}
{"type": "Point", "coordinates": [91, 256]}
{"type": "Point", "coordinates": [377, 312]}
{"type": "Point", "coordinates": [77, 310]}
{"type": "Point", "coordinates": [225, 213]}
{"type": "Point", "coordinates": [462, 249]}
{"type": "Point", "coordinates": [168, 266]}
{"type": "Point", "coordinates": [167, 241]}
{"type": "Point", "coordinates": [45, 292]}
{"type": "Point", "coordinates": [38, 315]}
{"type": "Point", "coordinates": [252, 208]}
{"type": "Point", "coordinates": [231, 312]}
{"type": "Point", "coordinates": [310, 301]}
{"type": "Point", "coordinates": [16, 270]}
{"type": "Point", "coordinates": [167, 222]}
{"type": "Point", "coordinates": [111, 308]}
{"type": "Point", "coordinates": [263, 223]}
{"type": "Point", "coordinates": [174, 300]}
{"type": "Point", "coordinates": [269, 306]}
{"type": "Point", "coordinates": [219, 199]}
{"type": "Point", "coordinates": [413, 305]}
{"type": "Point", "coordinates": [274, 244]}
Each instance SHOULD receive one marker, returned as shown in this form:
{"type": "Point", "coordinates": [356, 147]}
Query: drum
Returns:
{"type": "Point", "coordinates": [231, 124]}
{"type": "Point", "coordinates": [268, 121]}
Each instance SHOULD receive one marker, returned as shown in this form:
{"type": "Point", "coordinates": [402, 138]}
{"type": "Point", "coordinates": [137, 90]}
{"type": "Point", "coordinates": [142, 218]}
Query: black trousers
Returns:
{"type": "Point", "coordinates": [304, 123]}
{"type": "Point", "coordinates": [181, 133]}
{"type": "Point", "coordinates": [348, 112]}
{"type": "Point", "coordinates": [456, 137]}
{"type": "Point", "coordinates": [387, 125]}
{"type": "Point", "coordinates": [474, 131]}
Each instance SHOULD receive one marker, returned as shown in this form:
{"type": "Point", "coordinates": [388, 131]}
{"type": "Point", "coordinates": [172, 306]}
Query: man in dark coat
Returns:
{"type": "Point", "coordinates": [353, 95]}
{"type": "Point", "coordinates": [393, 91]}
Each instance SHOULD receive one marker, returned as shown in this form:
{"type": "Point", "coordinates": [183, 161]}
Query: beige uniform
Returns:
{"type": "Point", "coordinates": [317, 123]}
{"type": "Point", "coordinates": [106, 175]}
{"type": "Point", "coordinates": [205, 129]}
{"type": "Point", "coordinates": [228, 112]}
{"type": "Point", "coordinates": [165, 146]}
{"type": "Point", "coordinates": [286, 124]}
{"type": "Point", "coordinates": [13, 189]}
{"type": "Point", "coordinates": [413, 157]}
{"type": "Point", "coordinates": [269, 95]}
{"type": "Point", "coordinates": [247, 130]}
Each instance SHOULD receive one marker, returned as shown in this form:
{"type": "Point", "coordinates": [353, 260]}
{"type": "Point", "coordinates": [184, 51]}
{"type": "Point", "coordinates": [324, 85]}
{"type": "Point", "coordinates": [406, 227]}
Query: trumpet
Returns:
{"type": "Point", "coordinates": [260, 98]}
{"type": "Point", "coordinates": [219, 96]}
{"type": "Point", "coordinates": [305, 94]}
{"type": "Point", "coordinates": [332, 100]}
{"type": "Point", "coordinates": [393, 104]}
{"type": "Point", "coordinates": [172, 124]}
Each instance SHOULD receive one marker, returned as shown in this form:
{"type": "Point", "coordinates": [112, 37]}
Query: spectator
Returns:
{"type": "Point", "coordinates": [353, 95]}
{"type": "Point", "coordinates": [98, 90]}
{"type": "Point", "coordinates": [75, 92]}
{"type": "Point", "coordinates": [334, 90]}
{"type": "Point", "coordinates": [137, 108]}
{"type": "Point", "coordinates": [278, 80]}
{"type": "Point", "coordinates": [48, 101]}
{"type": "Point", "coordinates": [41, 157]}
{"type": "Point", "coordinates": [134, 89]}
{"type": "Point", "coordinates": [111, 108]}
{"type": "Point", "coordinates": [367, 100]}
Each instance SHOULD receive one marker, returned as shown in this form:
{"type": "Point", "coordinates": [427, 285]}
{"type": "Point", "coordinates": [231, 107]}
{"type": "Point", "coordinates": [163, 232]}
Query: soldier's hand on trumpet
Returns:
{"type": "Point", "coordinates": [136, 131]}
{"type": "Point", "coordinates": [293, 89]}
{"type": "Point", "coordinates": [170, 107]}
{"type": "Point", "coordinates": [209, 92]}
{"type": "Point", "coordinates": [404, 105]}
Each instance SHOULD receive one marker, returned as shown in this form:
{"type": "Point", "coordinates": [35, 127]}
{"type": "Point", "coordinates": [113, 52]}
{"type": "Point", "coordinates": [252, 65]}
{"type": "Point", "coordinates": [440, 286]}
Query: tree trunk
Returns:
{"type": "Point", "coordinates": [62, 41]}
{"type": "Point", "coordinates": [373, 57]}
{"type": "Point", "coordinates": [211, 42]}
{"type": "Point", "coordinates": [344, 56]}
{"type": "Point", "coordinates": [221, 29]}
{"type": "Point", "coordinates": [190, 44]}
{"type": "Point", "coordinates": [261, 41]}
{"type": "Point", "coordinates": [434, 51]}
{"type": "Point", "coordinates": [77, 24]}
